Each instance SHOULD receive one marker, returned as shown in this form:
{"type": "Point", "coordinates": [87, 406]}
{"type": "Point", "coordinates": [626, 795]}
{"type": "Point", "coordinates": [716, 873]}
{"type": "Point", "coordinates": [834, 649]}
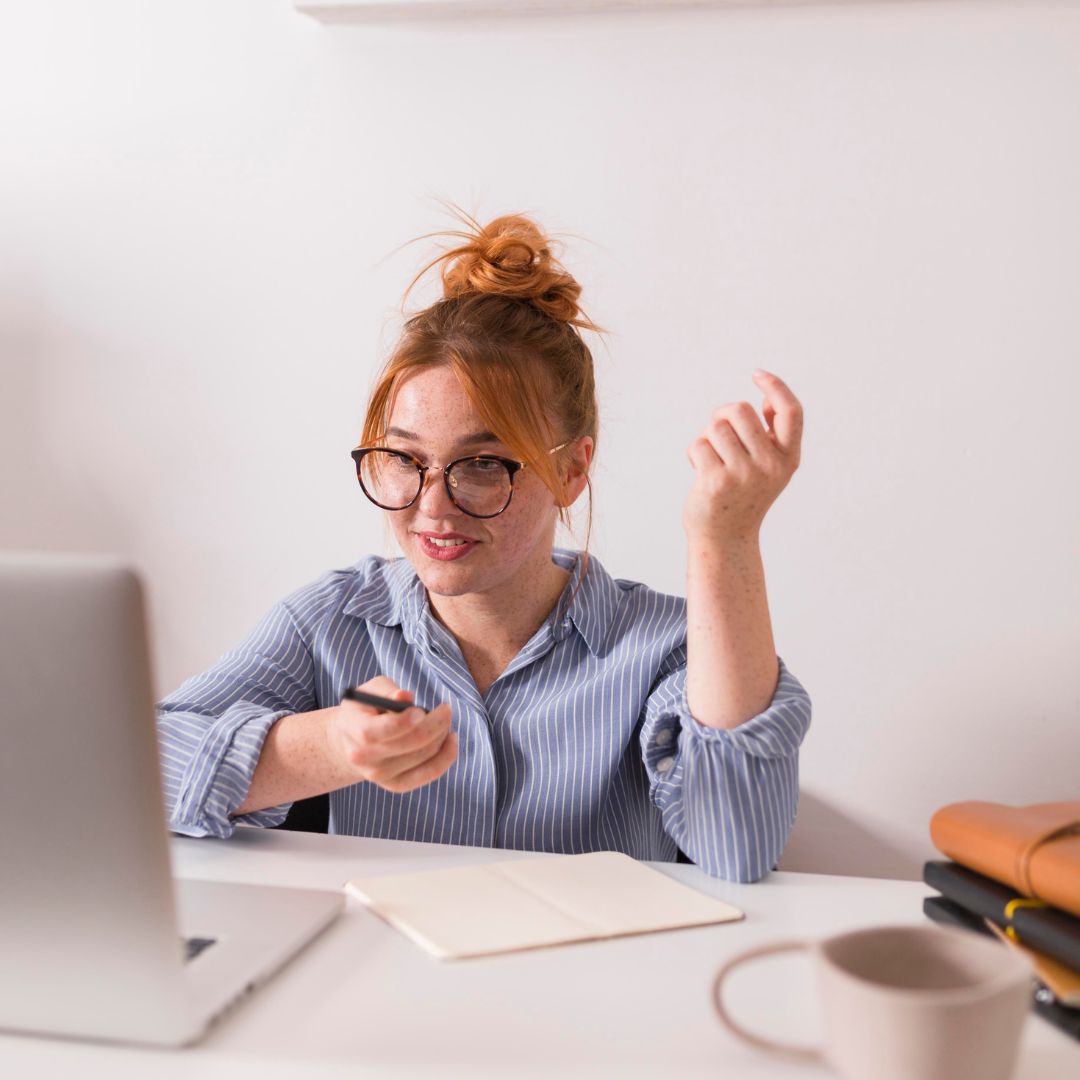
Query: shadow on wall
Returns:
{"type": "Point", "coordinates": [826, 841]}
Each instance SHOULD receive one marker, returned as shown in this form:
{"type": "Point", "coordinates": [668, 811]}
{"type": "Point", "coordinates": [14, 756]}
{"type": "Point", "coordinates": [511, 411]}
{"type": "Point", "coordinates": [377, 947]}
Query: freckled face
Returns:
{"type": "Point", "coordinates": [433, 419]}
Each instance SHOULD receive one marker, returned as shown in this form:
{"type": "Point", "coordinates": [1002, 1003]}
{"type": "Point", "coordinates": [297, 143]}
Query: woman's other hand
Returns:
{"type": "Point", "coordinates": [396, 751]}
{"type": "Point", "coordinates": [742, 464]}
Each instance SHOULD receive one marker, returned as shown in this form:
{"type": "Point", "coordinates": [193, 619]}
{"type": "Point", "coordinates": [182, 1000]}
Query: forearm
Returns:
{"type": "Point", "coordinates": [295, 763]}
{"type": "Point", "coordinates": [731, 669]}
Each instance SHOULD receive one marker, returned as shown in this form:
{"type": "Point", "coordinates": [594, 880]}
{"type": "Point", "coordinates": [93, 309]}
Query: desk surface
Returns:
{"type": "Point", "coordinates": [363, 1000]}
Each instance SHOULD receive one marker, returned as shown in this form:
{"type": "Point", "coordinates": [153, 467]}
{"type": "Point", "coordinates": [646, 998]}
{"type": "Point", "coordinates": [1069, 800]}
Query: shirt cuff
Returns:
{"type": "Point", "coordinates": [219, 774]}
{"type": "Point", "coordinates": [777, 731]}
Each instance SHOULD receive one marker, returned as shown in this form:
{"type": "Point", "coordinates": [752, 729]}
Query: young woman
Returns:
{"type": "Point", "coordinates": [556, 708]}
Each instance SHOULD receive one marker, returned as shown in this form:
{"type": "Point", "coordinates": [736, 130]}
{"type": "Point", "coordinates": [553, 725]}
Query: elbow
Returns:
{"type": "Point", "coordinates": [746, 868]}
{"type": "Point", "coordinates": [747, 872]}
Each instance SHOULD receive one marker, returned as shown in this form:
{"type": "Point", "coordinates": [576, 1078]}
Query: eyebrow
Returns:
{"type": "Point", "coordinates": [468, 440]}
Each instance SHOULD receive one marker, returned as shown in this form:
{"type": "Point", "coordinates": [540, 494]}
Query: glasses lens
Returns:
{"type": "Point", "coordinates": [480, 486]}
{"type": "Point", "coordinates": [391, 480]}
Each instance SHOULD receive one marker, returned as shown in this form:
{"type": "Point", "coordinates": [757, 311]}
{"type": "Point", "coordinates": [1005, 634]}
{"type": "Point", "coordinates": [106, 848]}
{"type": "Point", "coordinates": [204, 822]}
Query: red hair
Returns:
{"type": "Point", "coordinates": [506, 326]}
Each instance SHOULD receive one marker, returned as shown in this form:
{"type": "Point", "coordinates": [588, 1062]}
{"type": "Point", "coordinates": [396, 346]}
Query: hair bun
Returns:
{"type": "Point", "coordinates": [510, 256]}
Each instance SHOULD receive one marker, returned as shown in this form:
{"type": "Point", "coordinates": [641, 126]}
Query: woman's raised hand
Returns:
{"type": "Point", "coordinates": [742, 464]}
{"type": "Point", "coordinates": [396, 751]}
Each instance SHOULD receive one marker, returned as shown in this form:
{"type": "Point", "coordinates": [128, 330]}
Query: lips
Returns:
{"type": "Point", "coordinates": [445, 547]}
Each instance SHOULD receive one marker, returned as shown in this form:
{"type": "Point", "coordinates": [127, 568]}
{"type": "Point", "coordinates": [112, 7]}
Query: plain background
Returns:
{"type": "Point", "coordinates": [202, 207]}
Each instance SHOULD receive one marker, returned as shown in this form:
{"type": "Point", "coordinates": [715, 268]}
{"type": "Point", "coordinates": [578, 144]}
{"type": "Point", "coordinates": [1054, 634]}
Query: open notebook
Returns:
{"type": "Point", "coordinates": [529, 903]}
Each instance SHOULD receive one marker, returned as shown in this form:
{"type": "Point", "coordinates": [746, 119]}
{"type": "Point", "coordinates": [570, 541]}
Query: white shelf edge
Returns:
{"type": "Point", "coordinates": [358, 11]}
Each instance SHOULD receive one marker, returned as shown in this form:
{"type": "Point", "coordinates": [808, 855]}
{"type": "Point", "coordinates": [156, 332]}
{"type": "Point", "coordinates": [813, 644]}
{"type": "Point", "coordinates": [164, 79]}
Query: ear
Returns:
{"type": "Point", "coordinates": [577, 471]}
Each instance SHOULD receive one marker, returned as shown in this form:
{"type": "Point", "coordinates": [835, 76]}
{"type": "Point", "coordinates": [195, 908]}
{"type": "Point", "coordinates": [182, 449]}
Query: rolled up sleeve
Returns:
{"type": "Point", "coordinates": [211, 729]}
{"type": "Point", "coordinates": [726, 797]}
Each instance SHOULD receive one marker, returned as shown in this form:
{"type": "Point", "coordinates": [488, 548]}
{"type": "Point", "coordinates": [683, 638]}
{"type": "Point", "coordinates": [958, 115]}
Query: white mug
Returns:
{"type": "Point", "coordinates": [907, 1003]}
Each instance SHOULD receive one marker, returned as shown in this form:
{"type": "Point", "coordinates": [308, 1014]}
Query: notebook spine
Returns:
{"type": "Point", "coordinates": [1046, 929]}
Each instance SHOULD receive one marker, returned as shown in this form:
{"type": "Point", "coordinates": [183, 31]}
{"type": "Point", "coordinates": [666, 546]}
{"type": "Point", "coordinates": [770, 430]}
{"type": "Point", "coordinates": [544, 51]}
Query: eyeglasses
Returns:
{"type": "Point", "coordinates": [480, 485]}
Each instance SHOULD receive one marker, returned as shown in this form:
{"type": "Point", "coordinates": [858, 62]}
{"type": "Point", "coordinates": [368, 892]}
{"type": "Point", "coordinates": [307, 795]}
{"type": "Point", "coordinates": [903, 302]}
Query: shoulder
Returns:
{"type": "Point", "coordinates": [649, 613]}
{"type": "Point", "coordinates": [619, 613]}
{"type": "Point", "coordinates": [370, 588]}
{"type": "Point", "coordinates": [639, 596]}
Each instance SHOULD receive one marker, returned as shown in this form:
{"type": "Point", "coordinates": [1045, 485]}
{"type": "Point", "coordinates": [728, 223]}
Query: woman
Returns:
{"type": "Point", "coordinates": [556, 709]}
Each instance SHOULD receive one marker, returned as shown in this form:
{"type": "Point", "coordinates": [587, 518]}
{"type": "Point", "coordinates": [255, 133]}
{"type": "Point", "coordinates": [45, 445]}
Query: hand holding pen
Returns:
{"type": "Point", "coordinates": [383, 738]}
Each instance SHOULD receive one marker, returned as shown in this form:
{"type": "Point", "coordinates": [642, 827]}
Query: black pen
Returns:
{"type": "Point", "coordinates": [384, 703]}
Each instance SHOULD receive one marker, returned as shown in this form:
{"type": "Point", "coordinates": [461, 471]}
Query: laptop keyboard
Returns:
{"type": "Point", "coordinates": [195, 945]}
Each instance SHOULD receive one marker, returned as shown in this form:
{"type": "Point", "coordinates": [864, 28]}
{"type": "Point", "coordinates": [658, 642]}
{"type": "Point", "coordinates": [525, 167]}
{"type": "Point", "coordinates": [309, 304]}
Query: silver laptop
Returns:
{"type": "Point", "coordinates": [96, 938]}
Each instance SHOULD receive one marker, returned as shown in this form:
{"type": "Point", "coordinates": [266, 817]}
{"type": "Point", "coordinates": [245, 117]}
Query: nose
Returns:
{"type": "Point", "coordinates": [433, 500]}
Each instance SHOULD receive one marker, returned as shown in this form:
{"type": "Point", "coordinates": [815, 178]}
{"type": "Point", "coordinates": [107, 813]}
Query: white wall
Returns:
{"type": "Point", "coordinates": [878, 201]}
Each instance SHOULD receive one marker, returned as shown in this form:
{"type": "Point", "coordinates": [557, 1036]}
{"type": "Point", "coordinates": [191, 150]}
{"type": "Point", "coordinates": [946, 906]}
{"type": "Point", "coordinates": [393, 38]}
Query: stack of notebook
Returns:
{"type": "Point", "coordinates": [1014, 872]}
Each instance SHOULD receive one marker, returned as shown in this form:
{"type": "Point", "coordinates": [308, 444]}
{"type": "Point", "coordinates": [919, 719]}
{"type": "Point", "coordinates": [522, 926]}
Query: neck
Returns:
{"type": "Point", "coordinates": [498, 623]}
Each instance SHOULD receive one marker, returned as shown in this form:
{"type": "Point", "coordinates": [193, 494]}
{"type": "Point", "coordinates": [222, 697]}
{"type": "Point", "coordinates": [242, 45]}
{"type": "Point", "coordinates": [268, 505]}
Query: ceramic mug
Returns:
{"type": "Point", "coordinates": [907, 1003]}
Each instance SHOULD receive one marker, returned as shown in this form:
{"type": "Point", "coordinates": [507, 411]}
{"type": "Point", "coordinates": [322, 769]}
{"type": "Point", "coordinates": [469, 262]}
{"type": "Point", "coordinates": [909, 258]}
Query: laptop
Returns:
{"type": "Point", "coordinates": [97, 939]}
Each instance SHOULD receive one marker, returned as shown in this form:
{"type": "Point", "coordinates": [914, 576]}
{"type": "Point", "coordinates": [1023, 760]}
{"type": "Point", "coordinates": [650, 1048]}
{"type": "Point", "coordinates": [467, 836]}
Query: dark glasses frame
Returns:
{"type": "Point", "coordinates": [512, 469]}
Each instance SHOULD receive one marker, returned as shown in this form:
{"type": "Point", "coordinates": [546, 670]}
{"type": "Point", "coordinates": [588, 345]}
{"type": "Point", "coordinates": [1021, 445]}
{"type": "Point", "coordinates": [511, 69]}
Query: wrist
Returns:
{"type": "Point", "coordinates": [333, 752]}
{"type": "Point", "coordinates": [720, 543]}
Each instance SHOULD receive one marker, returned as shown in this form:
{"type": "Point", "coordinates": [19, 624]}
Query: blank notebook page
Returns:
{"type": "Point", "coordinates": [528, 903]}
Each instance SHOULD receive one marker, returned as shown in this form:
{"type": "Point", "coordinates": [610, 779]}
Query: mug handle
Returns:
{"type": "Point", "coordinates": [806, 1054]}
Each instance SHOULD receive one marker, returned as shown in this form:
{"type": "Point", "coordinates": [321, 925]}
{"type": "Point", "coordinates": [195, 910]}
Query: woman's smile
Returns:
{"type": "Point", "coordinates": [445, 546]}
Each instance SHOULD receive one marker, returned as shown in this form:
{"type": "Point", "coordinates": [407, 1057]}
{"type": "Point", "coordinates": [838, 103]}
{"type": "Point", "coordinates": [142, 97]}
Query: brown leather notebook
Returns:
{"type": "Point", "coordinates": [1035, 849]}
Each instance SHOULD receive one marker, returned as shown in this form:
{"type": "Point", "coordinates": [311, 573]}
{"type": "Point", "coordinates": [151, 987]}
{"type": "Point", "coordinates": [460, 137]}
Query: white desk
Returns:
{"type": "Point", "coordinates": [362, 1000]}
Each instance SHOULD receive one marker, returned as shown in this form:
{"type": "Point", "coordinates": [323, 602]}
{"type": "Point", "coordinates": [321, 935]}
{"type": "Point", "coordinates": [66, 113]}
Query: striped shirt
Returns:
{"type": "Point", "coordinates": [584, 743]}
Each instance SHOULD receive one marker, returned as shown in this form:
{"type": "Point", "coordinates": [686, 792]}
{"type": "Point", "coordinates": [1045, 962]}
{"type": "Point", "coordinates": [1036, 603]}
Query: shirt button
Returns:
{"type": "Point", "coordinates": [664, 736]}
{"type": "Point", "coordinates": [664, 765]}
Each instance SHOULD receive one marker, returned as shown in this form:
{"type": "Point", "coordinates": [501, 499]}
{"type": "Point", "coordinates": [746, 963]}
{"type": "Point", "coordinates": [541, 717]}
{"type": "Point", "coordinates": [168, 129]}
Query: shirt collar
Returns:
{"type": "Point", "coordinates": [592, 608]}
{"type": "Point", "coordinates": [391, 596]}
{"type": "Point", "coordinates": [394, 596]}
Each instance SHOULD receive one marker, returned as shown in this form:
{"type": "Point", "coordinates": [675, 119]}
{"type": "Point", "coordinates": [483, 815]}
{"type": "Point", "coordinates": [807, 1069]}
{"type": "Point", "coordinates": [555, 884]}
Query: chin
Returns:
{"type": "Point", "coordinates": [445, 579]}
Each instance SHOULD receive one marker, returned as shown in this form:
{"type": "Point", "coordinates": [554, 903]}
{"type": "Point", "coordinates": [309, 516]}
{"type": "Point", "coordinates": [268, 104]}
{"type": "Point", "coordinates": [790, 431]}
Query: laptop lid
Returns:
{"type": "Point", "coordinates": [89, 938]}
{"type": "Point", "coordinates": [89, 941]}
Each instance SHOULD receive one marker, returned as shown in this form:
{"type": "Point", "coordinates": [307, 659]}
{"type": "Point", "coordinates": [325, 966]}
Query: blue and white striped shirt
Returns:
{"type": "Point", "coordinates": [584, 743]}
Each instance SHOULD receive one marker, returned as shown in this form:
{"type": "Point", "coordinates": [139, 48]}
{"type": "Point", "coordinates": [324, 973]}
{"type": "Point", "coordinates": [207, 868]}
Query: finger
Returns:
{"type": "Point", "coordinates": [751, 431]}
{"type": "Point", "coordinates": [786, 422]}
{"type": "Point", "coordinates": [726, 443]}
{"type": "Point", "coordinates": [703, 456]}
{"type": "Point", "coordinates": [403, 763]}
{"type": "Point", "coordinates": [378, 760]}
{"type": "Point", "coordinates": [397, 733]}
{"type": "Point", "coordinates": [769, 413]}
{"type": "Point", "coordinates": [430, 770]}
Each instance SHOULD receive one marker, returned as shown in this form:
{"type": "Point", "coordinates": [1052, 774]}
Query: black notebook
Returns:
{"type": "Point", "coordinates": [948, 913]}
{"type": "Point", "coordinates": [1049, 930]}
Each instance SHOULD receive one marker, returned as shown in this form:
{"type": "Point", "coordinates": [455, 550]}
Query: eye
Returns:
{"type": "Point", "coordinates": [400, 462]}
{"type": "Point", "coordinates": [486, 465]}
